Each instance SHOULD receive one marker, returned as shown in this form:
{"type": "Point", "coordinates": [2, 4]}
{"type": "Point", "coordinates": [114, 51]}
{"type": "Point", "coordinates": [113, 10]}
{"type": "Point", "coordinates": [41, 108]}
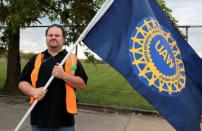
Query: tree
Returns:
{"type": "Point", "coordinates": [17, 14]}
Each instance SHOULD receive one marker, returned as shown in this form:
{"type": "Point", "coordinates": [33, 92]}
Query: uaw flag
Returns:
{"type": "Point", "coordinates": [139, 41]}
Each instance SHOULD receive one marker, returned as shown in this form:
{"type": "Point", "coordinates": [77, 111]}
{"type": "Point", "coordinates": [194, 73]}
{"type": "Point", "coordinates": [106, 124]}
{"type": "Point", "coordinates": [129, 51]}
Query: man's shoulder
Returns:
{"type": "Point", "coordinates": [33, 58]}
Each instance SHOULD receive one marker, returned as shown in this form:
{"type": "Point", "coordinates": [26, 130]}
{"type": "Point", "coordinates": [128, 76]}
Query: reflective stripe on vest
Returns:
{"type": "Point", "coordinates": [71, 61]}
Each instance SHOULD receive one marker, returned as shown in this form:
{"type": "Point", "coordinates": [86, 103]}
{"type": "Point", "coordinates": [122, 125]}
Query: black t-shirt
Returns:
{"type": "Point", "coordinates": [51, 112]}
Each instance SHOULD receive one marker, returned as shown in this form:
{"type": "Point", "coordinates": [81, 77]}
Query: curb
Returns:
{"type": "Point", "coordinates": [115, 109]}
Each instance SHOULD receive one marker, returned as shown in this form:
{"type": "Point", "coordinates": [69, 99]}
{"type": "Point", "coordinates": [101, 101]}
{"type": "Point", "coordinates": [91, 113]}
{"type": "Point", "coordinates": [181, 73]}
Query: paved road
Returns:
{"type": "Point", "coordinates": [11, 113]}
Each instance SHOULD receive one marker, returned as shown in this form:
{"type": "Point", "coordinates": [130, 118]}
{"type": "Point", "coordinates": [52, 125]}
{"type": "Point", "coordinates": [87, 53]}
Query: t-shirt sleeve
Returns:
{"type": "Point", "coordinates": [26, 72]}
{"type": "Point", "coordinates": [81, 72]}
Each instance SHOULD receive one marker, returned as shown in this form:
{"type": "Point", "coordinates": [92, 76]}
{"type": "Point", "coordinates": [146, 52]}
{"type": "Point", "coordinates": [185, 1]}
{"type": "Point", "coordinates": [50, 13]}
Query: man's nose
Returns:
{"type": "Point", "coordinates": [53, 37]}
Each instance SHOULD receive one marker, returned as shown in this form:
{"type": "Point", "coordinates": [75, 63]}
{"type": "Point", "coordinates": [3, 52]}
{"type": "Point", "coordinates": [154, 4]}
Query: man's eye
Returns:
{"type": "Point", "coordinates": [57, 35]}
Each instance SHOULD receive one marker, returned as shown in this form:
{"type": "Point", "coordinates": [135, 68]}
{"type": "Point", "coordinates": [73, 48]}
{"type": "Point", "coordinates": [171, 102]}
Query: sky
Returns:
{"type": "Point", "coordinates": [187, 12]}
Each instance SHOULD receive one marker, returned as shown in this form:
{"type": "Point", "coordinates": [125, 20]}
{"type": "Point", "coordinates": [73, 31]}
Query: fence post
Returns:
{"type": "Point", "coordinates": [187, 32]}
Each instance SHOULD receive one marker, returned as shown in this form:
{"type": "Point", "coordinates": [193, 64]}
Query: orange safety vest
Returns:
{"type": "Point", "coordinates": [71, 61]}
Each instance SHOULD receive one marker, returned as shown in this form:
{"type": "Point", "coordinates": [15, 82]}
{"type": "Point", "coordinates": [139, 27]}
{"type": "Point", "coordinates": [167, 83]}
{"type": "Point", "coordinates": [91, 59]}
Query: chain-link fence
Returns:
{"type": "Point", "coordinates": [193, 34]}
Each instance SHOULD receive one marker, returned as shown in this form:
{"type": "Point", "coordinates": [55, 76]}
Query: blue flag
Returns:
{"type": "Point", "coordinates": [139, 41]}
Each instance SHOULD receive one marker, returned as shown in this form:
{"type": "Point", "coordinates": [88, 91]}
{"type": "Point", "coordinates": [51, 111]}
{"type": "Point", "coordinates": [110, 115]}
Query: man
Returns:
{"type": "Point", "coordinates": [57, 105]}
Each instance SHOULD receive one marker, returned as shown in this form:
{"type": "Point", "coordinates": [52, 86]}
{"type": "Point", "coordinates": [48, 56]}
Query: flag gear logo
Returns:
{"type": "Point", "coordinates": [156, 58]}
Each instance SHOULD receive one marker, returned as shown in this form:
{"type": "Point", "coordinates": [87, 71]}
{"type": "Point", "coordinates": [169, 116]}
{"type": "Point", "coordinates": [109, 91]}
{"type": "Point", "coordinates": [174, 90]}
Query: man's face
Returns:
{"type": "Point", "coordinates": [54, 38]}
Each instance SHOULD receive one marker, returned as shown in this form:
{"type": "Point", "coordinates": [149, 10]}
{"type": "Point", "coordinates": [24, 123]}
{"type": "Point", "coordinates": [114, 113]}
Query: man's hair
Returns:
{"type": "Point", "coordinates": [58, 26]}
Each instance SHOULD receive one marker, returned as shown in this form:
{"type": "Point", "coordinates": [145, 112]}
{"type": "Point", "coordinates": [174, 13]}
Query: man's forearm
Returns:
{"type": "Point", "coordinates": [26, 88]}
{"type": "Point", "coordinates": [29, 90]}
{"type": "Point", "coordinates": [74, 81]}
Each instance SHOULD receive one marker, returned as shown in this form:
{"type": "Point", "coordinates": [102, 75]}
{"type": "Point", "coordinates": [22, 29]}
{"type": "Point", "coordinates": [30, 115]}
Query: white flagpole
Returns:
{"type": "Point", "coordinates": [95, 19]}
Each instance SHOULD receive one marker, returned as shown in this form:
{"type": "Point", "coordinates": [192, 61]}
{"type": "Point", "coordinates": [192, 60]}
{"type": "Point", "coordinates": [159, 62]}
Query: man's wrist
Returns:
{"type": "Point", "coordinates": [32, 89]}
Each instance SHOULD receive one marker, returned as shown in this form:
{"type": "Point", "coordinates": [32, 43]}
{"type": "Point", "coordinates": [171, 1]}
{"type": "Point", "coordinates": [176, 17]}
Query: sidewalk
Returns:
{"type": "Point", "coordinates": [11, 114]}
{"type": "Point", "coordinates": [88, 121]}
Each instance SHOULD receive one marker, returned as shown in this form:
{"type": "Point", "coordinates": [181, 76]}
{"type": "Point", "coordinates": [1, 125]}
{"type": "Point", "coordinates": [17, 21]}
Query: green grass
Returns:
{"type": "Point", "coordinates": [3, 69]}
{"type": "Point", "coordinates": [105, 87]}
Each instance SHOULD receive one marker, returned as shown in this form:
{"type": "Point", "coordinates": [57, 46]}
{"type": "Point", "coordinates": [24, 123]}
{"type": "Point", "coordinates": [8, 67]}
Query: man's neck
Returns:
{"type": "Point", "coordinates": [54, 51]}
